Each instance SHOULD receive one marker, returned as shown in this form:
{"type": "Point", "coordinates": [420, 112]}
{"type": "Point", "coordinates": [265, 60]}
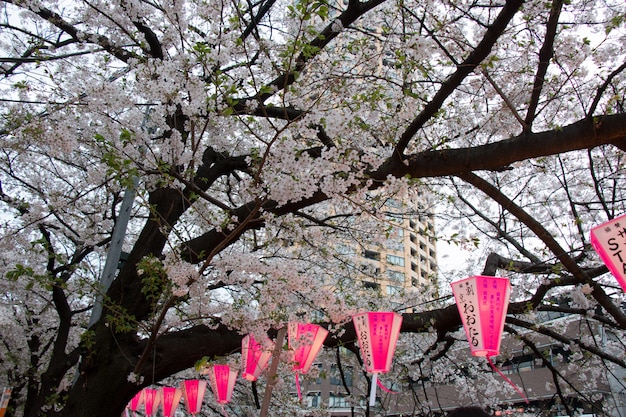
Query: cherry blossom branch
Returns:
{"type": "Point", "coordinates": [545, 54]}
{"type": "Point", "coordinates": [350, 15]}
{"type": "Point", "coordinates": [537, 228]}
{"type": "Point", "coordinates": [580, 135]}
{"type": "Point", "coordinates": [500, 232]}
{"type": "Point", "coordinates": [506, 99]}
{"type": "Point", "coordinates": [565, 340]}
{"type": "Point", "coordinates": [101, 40]}
{"type": "Point", "coordinates": [478, 54]}
{"type": "Point", "coordinates": [602, 89]}
{"type": "Point", "coordinates": [556, 375]}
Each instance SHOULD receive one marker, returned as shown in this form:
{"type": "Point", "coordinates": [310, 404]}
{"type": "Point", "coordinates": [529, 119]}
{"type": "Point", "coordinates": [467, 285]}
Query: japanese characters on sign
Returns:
{"type": "Point", "coordinates": [609, 240]}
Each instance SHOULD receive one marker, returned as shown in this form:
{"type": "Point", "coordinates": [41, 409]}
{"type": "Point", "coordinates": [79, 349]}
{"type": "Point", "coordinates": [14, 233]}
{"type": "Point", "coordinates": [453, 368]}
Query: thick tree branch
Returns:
{"type": "Point", "coordinates": [580, 135]}
{"type": "Point", "coordinates": [535, 226]}
{"type": "Point", "coordinates": [584, 134]}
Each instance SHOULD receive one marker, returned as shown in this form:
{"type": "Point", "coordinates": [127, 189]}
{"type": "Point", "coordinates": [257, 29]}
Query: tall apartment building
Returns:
{"type": "Point", "coordinates": [408, 257]}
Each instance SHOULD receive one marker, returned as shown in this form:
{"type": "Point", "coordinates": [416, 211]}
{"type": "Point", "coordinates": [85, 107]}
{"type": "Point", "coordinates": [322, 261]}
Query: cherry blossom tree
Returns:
{"type": "Point", "coordinates": [229, 148]}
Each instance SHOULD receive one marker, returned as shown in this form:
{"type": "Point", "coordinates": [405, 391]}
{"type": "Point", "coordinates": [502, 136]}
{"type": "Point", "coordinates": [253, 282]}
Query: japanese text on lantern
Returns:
{"type": "Point", "coordinates": [364, 337]}
{"type": "Point", "coordinates": [467, 295]}
{"type": "Point", "coordinates": [380, 329]}
{"type": "Point", "coordinates": [492, 309]}
{"type": "Point", "coordinates": [609, 240]}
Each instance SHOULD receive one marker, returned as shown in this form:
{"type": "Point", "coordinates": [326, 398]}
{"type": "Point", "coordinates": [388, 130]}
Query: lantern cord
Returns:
{"type": "Point", "coordinates": [515, 387]}
{"type": "Point", "coordinates": [385, 388]}
{"type": "Point", "coordinates": [224, 410]}
{"type": "Point", "coordinates": [298, 387]}
{"type": "Point", "coordinates": [373, 389]}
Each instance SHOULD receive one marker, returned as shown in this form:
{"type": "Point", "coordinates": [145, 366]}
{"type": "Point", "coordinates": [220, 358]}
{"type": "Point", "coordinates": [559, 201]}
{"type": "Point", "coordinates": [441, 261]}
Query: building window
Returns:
{"type": "Point", "coordinates": [371, 285]}
{"type": "Point", "coordinates": [395, 275]}
{"type": "Point", "coordinates": [393, 291]}
{"type": "Point", "coordinates": [338, 401]}
{"type": "Point", "coordinates": [395, 260]}
{"type": "Point", "coordinates": [335, 375]}
{"type": "Point", "coordinates": [370, 254]}
{"type": "Point", "coordinates": [319, 368]}
{"type": "Point", "coordinates": [345, 249]}
{"type": "Point", "coordinates": [313, 399]}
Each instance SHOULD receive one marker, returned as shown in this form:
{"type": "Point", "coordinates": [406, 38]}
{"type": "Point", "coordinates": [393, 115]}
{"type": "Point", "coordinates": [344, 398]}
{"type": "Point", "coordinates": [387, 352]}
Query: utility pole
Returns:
{"type": "Point", "coordinates": [115, 251]}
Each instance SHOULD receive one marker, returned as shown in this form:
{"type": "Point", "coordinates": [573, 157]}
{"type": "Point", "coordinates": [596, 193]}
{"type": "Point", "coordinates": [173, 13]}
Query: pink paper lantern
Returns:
{"type": "Point", "coordinates": [136, 402]}
{"type": "Point", "coordinates": [151, 401]}
{"type": "Point", "coordinates": [305, 341]}
{"type": "Point", "coordinates": [378, 334]}
{"type": "Point", "coordinates": [482, 302]}
{"type": "Point", "coordinates": [609, 240]}
{"type": "Point", "coordinates": [254, 357]}
{"type": "Point", "coordinates": [170, 398]}
{"type": "Point", "coordinates": [222, 382]}
{"type": "Point", "coordinates": [193, 392]}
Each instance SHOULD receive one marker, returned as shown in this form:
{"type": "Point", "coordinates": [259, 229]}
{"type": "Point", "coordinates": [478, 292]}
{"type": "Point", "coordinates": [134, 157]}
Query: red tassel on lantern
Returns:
{"type": "Point", "coordinates": [254, 357]}
{"type": "Point", "coordinates": [305, 341]}
{"type": "Point", "coordinates": [151, 401]}
{"type": "Point", "coordinates": [609, 240]}
{"type": "Point", "coordinates": [170, 398]}
{"type": "Point", "coordinates": [193, 392]}
{"type": "Point", "coordinates": [378, 334]}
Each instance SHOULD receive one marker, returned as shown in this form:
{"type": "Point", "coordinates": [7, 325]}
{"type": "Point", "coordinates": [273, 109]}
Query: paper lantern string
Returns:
{"type": "Point", "coordinates": [224, 410]}
{"type": "Point", "coordinates": [376, 382]}
{"type": "Point", "coordinates": [385, 388]}
{"type": "Point", "coordinates": [298, 387]}
{"type": "Point", "coordinates": [515, 387]}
